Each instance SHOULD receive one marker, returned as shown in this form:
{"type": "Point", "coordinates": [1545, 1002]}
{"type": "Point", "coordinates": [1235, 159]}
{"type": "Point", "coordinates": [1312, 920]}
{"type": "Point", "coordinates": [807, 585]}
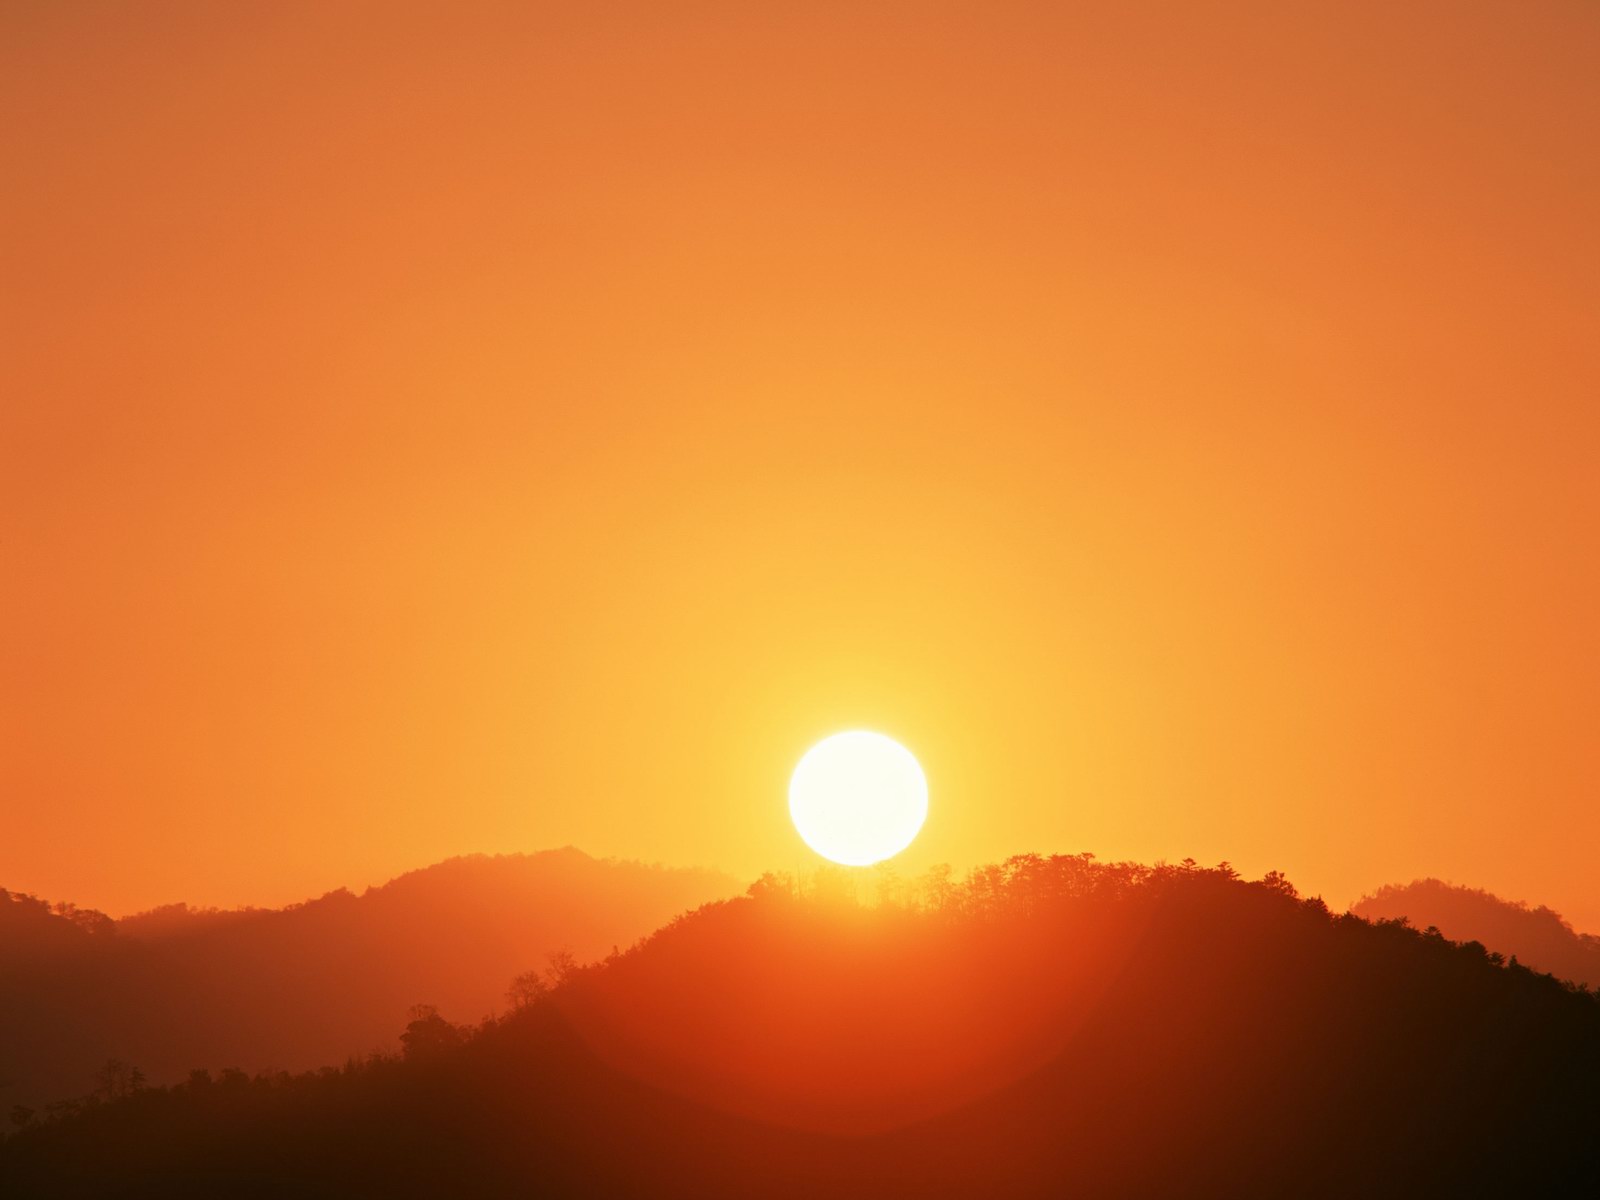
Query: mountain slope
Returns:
{"type": "Point", "coordinates": [307, 985]}
{"type": "Point", "coordinates": [1538, 937]}
{"type": "Point", "coordinates": [1051, 1027]}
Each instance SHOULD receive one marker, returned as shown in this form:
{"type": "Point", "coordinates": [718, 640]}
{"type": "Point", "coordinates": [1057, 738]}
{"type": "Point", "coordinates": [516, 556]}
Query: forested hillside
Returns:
{"type": "Point", "coordinates": [296, 988]}
{"type": "Point", "coordinates": [1537, 937]}
{"type": "Point", "coordinates": [1049, 1026]}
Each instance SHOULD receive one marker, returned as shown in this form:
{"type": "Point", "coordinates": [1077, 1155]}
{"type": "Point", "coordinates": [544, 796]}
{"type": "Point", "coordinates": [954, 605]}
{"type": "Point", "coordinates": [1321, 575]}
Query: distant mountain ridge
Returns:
{"type": "Point", "coordinates": [1049, 1026]}
{"type": "Point", "coordinates": [1538, 937]}
{"type": "Point", "coordinates": [313, 983]}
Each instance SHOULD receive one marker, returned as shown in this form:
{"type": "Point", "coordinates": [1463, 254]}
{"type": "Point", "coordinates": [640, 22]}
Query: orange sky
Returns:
{"type": "Point", "coordinates": [438, 428]}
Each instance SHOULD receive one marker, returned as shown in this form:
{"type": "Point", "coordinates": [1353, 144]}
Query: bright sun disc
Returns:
{"type": "Point", "coordinates": [858, 798]}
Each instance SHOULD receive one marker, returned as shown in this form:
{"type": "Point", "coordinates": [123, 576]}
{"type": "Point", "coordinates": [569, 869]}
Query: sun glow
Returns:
{"type": "Point", "coordinates": [858, 798]}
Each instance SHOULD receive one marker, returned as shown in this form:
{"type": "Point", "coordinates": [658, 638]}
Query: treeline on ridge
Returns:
{"type": "Point", "coordinates": [1045, 1026]}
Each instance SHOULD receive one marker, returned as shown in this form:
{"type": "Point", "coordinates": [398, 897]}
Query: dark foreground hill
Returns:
{"type": "Point", "coordinates": [295, 988]}
{"type": "Point", "coordinates": [1051, 1027]}
{"type": "Point", "coordinates": [1538, 937]}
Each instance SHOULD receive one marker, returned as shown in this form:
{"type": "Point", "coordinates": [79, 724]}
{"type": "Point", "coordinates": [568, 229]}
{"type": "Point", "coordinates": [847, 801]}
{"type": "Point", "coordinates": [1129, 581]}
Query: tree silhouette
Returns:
{"type": "Point", "coordinates": [526, 988]}
{"type": "Point", "coordinates": [428, 1035]}
{"type": "Point", "coordinates": [117, 1080]}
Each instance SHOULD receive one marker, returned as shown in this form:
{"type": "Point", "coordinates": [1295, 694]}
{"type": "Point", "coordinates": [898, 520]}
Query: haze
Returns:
{"type": "Point", "coordinates": [432, 430]}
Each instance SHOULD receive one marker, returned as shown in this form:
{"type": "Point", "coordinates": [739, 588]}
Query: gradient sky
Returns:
{"type": "Point", "coordinates": [439, 428]}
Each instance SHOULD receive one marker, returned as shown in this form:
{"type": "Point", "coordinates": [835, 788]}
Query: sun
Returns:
{"type": "Point", "coordinates": [858, 798]}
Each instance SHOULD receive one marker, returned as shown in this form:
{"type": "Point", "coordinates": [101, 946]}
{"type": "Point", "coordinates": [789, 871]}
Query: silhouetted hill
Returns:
{"type": "Point", "coordinates": [1049, 1027]}
{"type": "Point", "coordinates": [1537, 937]}
{"type": "Point", "coordinates": [311, 984]}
